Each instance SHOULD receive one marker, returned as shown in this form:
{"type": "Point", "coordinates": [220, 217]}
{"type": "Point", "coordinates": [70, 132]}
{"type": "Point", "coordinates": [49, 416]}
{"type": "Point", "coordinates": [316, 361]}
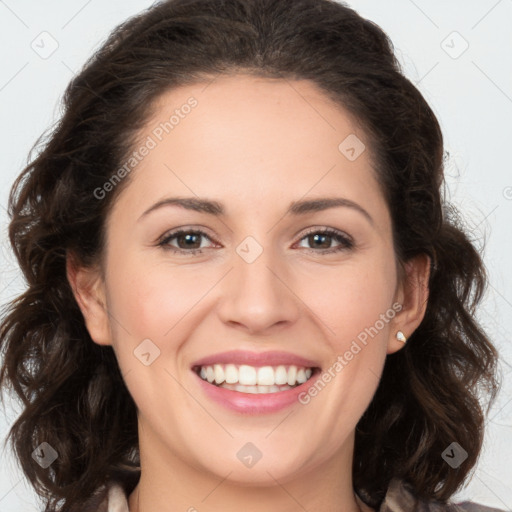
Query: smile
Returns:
{"type": "Point", "coordinates": [248, 382]}
{"type": "Point", "coordinates": [255, 380]}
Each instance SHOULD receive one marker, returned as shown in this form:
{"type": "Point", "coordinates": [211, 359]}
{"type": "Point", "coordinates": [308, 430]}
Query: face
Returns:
{"type": "Point", "coordinates": [281, 252]}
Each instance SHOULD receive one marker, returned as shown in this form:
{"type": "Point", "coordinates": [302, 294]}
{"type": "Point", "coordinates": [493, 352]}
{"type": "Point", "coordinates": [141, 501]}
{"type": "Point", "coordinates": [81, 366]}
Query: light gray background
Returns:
{"type": "Point", "coordinates": [470, 90]}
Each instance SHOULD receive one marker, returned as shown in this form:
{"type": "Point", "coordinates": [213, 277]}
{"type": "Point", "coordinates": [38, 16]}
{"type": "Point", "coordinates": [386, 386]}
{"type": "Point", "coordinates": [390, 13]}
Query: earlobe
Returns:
{"type": "Point", "coordinates": [413, 294]}
{"type": "Point", "coordinates": [89, 292]}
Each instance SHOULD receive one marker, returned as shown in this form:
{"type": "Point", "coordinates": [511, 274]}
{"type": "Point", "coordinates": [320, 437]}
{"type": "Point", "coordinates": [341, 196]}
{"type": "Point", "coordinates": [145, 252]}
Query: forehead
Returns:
{"type": "Point", "coordinates": [246, 138]}
{"type": "Point", "coordinates": [274, 110]}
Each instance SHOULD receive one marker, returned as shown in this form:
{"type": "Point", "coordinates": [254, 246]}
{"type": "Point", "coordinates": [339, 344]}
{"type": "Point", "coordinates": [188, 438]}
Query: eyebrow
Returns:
{"type": "Point", "coordinates": [296, 207]}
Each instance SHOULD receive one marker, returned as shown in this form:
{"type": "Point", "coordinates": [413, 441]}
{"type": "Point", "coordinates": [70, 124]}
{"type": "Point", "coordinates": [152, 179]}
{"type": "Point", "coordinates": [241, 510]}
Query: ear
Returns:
{"type": "Point", "coordinates": [412, 294]}
{"type": "Point", "coordinates": [89, 291]}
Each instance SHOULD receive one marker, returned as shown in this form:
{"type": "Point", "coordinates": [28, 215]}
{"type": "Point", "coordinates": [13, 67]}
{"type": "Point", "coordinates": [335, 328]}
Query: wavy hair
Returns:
{"type": "Point", "coordinates": [72, 392]}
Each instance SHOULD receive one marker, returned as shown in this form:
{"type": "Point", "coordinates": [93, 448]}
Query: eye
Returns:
{"type": "Point", "coordinates": [187, 241]}
{"type": "Point", "coordinates": [322, 239]}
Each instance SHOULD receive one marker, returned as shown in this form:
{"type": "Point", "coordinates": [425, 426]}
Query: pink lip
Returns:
{"type": "Point", "coordinates": [255, 403]}
{"type": "Point", "coordinates": [238, 357]}
{"type": "Point", "coordinates": [246, 403]}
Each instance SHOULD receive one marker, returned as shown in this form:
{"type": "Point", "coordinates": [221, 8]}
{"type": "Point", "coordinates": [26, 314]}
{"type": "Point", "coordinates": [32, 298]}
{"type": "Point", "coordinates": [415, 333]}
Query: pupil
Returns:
{"type": "Point", "coordinates": [318, 237]}
{"type": "Point", "coordinates": [189, 238]}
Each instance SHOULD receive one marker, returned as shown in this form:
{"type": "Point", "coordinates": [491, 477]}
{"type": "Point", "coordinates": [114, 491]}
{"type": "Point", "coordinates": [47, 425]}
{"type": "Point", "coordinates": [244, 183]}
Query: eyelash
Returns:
{"type": "Point", "coordinates": [346, 242]}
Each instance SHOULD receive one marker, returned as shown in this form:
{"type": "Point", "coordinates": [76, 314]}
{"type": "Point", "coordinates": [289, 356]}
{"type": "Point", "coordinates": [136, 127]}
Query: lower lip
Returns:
{"type": "Point", "coordinates": [248, 403]}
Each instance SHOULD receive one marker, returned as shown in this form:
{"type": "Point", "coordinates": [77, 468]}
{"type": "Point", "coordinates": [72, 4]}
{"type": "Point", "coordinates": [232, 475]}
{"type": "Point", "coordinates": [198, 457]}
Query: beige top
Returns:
{"type": "Point", "coordinates": [399, 498]}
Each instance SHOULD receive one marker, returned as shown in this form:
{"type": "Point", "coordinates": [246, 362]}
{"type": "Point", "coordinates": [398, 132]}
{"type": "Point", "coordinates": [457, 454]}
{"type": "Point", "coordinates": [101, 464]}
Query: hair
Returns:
{"type": "Point", "coordinates": [73, 393]}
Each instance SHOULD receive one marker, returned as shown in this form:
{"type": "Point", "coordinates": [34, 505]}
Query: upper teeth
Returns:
{"type": "Point", "coordinates": [251, 375]}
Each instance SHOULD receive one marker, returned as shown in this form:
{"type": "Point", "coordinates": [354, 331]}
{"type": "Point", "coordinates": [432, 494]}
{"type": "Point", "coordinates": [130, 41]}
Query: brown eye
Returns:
{"type": "Point", "coordinates": [320, 241]}
{"type": "Point", "coordinates": [323, 240]}
{"type": "Point", "coordinates": [189, 241]}
{"type": "Point", "coordinates": [185, 241]}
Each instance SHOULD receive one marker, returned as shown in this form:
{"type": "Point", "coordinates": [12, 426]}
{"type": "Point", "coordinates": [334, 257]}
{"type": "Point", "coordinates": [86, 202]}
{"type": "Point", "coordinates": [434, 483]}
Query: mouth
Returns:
{"type": "Point", "coordinates": [256, 380]}
{"type": "Point", "coordinates": [254, 383]}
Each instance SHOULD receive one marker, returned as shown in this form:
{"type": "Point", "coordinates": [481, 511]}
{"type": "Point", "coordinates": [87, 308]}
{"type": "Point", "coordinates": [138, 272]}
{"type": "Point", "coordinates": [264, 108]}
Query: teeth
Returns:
{"type": "Point", "coordinates": [231, 374]}
{"type": "Point", "coordinates": [266, 376]}
{"type": "Point", "coordinates": [301, 376]}
{"type": "Point", "coordinates": [281, 375]}
{"type": "Point", "coordinates": [247, 375]}
{"type": "Point", "coordinates": [219, 373]}
{"type": "Point", "coordinates": [255, 379]}
{"type": "Point", "coordinates": [255, 389]}
{"type": "Point", "coordinates": [292, 375]}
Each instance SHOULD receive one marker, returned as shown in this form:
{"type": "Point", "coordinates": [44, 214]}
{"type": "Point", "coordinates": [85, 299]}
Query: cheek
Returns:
{"type": "Point", "coordinates": [352, 298]}
{"type": "Point", "coordinates": [148, 300]}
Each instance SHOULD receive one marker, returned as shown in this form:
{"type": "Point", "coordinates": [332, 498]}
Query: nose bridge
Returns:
{"type": "Point", "coordinates": [255, 297]}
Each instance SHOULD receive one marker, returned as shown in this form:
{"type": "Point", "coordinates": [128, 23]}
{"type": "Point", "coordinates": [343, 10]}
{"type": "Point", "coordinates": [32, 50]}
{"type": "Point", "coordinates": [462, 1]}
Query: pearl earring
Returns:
{"type": "Point", "coordinates": [400, 336]}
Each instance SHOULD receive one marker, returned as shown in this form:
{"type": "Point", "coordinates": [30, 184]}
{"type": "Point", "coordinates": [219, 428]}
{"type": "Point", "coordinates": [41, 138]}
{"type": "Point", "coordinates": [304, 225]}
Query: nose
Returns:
{"type": "Point", "coordinates": [258, 296]}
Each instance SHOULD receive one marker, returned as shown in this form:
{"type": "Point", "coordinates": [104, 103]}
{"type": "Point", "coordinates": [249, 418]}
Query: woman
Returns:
{"type": "Point", "coordinates": [244, 286]}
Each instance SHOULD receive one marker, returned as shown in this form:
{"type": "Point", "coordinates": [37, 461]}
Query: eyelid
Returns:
{"type": "Point", "coordinates": [346, 241]}
{"type": "Point", "coordinates": [185, 229]}
{"type": "Point", "coordinates": [326, 229]}
{"type": "Point", "coordinates": [173, 233]}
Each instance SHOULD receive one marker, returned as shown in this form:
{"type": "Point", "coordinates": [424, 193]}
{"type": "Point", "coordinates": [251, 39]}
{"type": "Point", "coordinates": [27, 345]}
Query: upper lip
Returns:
{"type": "Point", "coordinates": [273, 358]}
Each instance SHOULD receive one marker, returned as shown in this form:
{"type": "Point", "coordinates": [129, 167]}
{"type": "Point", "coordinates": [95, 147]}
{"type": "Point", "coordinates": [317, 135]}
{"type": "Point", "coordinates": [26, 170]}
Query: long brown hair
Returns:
{"type": "Point", "coordinates": [73, 394]}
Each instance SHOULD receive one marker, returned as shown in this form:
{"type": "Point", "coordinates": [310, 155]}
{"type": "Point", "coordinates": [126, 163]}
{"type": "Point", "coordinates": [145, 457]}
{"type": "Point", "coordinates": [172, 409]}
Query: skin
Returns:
{"type": "Point", "coordinates": [255, 145]}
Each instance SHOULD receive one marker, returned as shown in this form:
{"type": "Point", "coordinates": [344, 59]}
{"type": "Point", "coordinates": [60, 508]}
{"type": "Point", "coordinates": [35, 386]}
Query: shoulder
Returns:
{"type": "Point", "coordinates": [401, 498]}
{"type": "Point", "coordinates": [113, 495]}
{"type": "Point", "coordinates": [119, 488]}
{"type": "Point", "coordinates": [117, 499]}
